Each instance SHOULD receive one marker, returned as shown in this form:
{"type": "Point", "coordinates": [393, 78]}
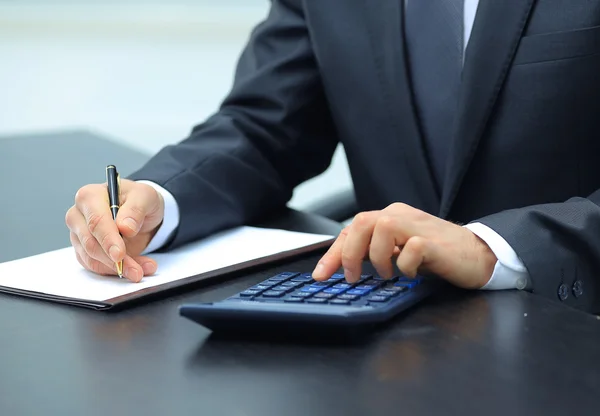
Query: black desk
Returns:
{"type": "Point", "coordinates": [461, 353]}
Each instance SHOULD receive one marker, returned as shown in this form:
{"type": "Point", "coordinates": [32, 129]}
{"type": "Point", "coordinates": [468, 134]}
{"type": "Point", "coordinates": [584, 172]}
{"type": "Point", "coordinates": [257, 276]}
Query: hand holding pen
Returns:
{"type": "Point", "coordinates": [111, 224]}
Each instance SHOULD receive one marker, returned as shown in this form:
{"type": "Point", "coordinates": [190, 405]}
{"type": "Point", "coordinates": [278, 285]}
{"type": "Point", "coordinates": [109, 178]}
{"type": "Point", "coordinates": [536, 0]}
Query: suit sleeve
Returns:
{"type": "Point", "coordinates": [559, 244]}
{"type": "Point", "coordinates": [272, 132]}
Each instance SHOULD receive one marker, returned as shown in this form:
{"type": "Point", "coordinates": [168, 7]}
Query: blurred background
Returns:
{"type": "Point", "coordinates": [142, 72]}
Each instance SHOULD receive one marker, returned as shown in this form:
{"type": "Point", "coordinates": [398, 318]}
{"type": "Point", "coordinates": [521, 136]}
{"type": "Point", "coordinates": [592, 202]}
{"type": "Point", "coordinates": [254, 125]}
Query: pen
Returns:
{"type": "Point", "coordinates": [112, 180]}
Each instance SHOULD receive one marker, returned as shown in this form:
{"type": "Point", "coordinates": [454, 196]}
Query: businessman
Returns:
{"type": "Point", "coordinates": [471, 130]}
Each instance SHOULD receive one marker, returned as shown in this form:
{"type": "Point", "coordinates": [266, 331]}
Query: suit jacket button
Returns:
{"type": "Point", "coordinates": [563, 292]}
{"type": "Point", "coordinates": [578, 288]}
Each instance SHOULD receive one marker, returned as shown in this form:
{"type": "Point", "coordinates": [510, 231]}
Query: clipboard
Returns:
{"type": "Point", "coordinates": [56, 276]}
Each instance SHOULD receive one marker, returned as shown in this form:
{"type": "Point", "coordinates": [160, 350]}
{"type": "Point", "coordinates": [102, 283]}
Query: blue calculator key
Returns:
{"type": "Point", "coordinates": [323, 295]}
{"type": "Point", "coordinates": [409, 279]}
{"type": "Point", "coordinates": [302, 294]}
{"type": "Point", "coordinates": [389, 293]}
{"type": "Point", "coordinates": [273, 294]}
{"type": "Point", "coordinates": [291, 284]}
{"type": "Point", "coordinates": [312, 289]}
{"type": "Point", "coordinates": [271, 282]}
{"type": "Point", "coordinates": [249, 293]}
{"type": "Point", "coordinates": [318, 284]}
{"type": "Point", "coordinates": [371, 283]}
{"type": "Point", "coordinates": [339, 302]}
{"type": "Point", "coordinates": [337, 276]}
{"type": "Point", "coordinates": [393, 288]}
{"type": "Point", "coordinates": [364, 277]}
{"type": "Point", "coordinates": [284, 289]}
{"type": "Point", "coordinates": [365, 287]}
{"type": "Point", "coordinates": [358, 292]}
{"type": "Point", "coordinates": [260, 287]}
{"type": "Point", "coordinates": [334, 290]}
{"type": "Point", "coordinates": [285, 275]}
{"type": "Point", "coordinates": [378, 298]}
{"type": "Point", "coordinates": [304, 277]}
{"type": "Point", "coordinates": [277, 279]}
{"type": "Point", "coordinates": [294, 300]}
{"type": "Point", "coordinates": [346, 296]}
{"type": "Point", "coordinates": [342, 286]}
{"type": "Point", "coordinates": [405, 284]}
{"type": "Point", "coordinates": [316, 300]}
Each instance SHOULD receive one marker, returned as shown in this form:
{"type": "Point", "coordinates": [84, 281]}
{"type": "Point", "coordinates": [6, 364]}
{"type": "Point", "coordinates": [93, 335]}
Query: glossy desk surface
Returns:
{"type": "Point", "coordinates": [505, 353]}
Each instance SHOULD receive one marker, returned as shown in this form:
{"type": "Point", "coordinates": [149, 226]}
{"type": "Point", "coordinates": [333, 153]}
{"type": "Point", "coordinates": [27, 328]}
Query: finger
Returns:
{"type": "Point", "coordinates": [149, 266]}
{"type": "Point", "coordinates": [138, 203]}
{"type": "Point", "coordinates": [383, 246]}
{"type": "Point", "coordinates": [414, 254]}
{"type": "Point", "coordinates": [81, 235]}
{"type": "Point", "coordinates": [132, 270]}
{"type": "Point", "coordinates": [87, 262]}
{"type": "Point", "coordinates": [91, 201]}
{"type": "Point", "coordinates": [357, 243]}
{"type": "Point", "coordinates": [331, 261]}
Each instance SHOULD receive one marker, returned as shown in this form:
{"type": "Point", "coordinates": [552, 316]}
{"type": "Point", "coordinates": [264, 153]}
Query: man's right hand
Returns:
{"type": "Point", "coordinates": [95, 235]}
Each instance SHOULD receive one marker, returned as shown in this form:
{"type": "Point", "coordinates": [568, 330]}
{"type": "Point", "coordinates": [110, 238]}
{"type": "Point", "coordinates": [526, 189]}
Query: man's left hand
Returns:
{"type": "Point", "coordinates": [419, 243]}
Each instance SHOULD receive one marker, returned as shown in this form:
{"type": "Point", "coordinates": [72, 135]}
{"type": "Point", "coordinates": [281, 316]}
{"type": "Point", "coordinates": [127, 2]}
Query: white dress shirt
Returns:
{"type": "Point", "coordinates": [509, 271]}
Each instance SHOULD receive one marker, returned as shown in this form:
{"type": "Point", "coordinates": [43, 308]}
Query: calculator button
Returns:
{"type": "Point", "coordinates": [358, 292]}
{"type": "Point", "coordinates": [333, 290]}
{"type": "Point", "coordinates": [283, 289]}
{"type": "Point", "coordinates": [364, 277]}
{"type": "Point", "coordinates": [378, 298]}
{"type": "Point", "coordinates": [260, 287]}
{"type": "Point", "coordinates": [365, 287]}
{"type": "Point", "coordinates": [277, 279]}
{"type": "Point", "coordinates": [291, 284]}
{"type": "Point", "coordinates": [304, 277]}
{"type": "Point", "coordinates": [312, 289]}
{"type": "Point", "coordinates": [319, 284]}
{"type": "Point", "coordinates": [346, 296]}
{"type": "Point", "coordinates": [398, 289]}
{"type": "Point", "coordinates": [248, 293]}
{"type": "Point", "coordinates": [273, 294]}
{"type": "Point", "coordinates": [371, 283]}
{"type": "Point", "coordinates": [409, 279]}
{"type": "Point", "coordinates": [342, 286]}
{"type": "Point", "coordinates": [294, 300]}
{"type": "Point", "coordinates": [405, 284]}
{"type": "Point", "coordinates": [323, 295]}
{"type": "Point", "coordinates": [285, 275]}
{"type": "Point", "coordinates": [316, 300]}
{"type": "Point", "coordinates": [339, 302]}
{"type": "Point", "coordinates": [388, 293]}
{"type": "Point", "coordinates": [336, 276]}
{"type": "Point", "coordinates": [302, 294]}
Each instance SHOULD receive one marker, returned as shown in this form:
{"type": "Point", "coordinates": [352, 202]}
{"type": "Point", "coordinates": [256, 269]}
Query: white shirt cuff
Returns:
{"type": "Point", "coordinates": [170, 221]}
{"type": "Point", "coordinates": [509, 271]}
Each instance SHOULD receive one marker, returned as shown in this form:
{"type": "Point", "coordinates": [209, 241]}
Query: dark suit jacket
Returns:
{"type": "Point", "coordinates": [525, 157]}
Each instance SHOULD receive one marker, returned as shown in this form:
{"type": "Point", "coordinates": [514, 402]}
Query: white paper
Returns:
{"type": "Point", "coordinates": [58, 272]}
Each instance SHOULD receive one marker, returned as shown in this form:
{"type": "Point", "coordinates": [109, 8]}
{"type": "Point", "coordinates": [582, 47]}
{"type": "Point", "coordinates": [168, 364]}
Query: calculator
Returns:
{"type": "Point", "coordinates": [294, 301]}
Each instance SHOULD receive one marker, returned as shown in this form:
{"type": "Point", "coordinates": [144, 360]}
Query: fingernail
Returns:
{"type": "Point", "coordinates": [348, 275]}
{"type": "Point", "coordinates": [131, 223]}
{"type": "Point", "coordinates": [113, 252]}
{"type": "Point", "coordinates": [148, 267]}
{"type": "Point", "coordinates": [132, 274]}
{"type": "Point", "coordinates": [319, 271]}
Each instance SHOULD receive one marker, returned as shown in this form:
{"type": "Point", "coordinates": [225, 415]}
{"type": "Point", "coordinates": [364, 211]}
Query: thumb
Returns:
{"type": "Point", "coordinates": [141, 210]}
